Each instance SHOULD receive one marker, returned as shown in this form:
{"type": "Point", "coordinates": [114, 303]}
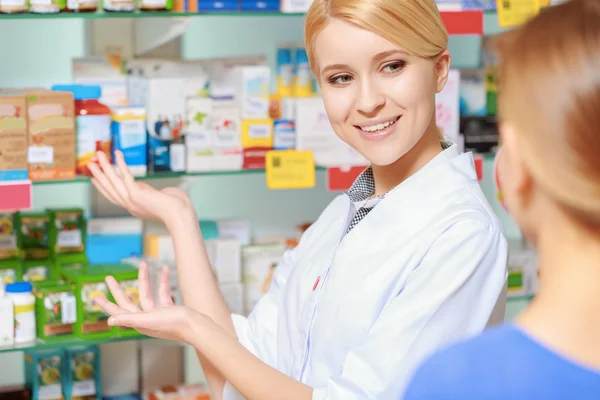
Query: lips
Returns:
{"type": "Point", "coordinates": [378, 131]}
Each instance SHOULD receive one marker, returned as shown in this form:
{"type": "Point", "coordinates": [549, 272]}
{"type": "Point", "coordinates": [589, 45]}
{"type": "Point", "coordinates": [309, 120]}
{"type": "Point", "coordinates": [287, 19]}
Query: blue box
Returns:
{"type": "Point", "coordinates": [110, 240]}
{"type": "Point", "coordinates": [46, 374]}
{"type": "Point", "coordinates": [260, 5]}
{"type": "Point", "coordinates": [212, 6]}
{"type": "Point", "coordinates": [128, 134]}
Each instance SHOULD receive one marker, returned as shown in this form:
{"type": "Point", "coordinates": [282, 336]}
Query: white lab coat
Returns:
{"type": "Point", "coordinates": [427, 266]}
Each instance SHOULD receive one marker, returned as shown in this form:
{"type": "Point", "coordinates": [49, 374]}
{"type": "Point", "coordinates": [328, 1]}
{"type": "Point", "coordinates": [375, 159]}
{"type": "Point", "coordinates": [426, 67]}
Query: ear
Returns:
{"type": "Point", "coordinates": [442, 67]}
{"type": "Point", "coordinates": [522, 181]}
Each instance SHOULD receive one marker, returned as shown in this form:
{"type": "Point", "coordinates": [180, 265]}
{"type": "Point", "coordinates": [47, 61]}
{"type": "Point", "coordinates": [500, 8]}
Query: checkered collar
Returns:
{"type": "Point", "coordinates": [364, 186]}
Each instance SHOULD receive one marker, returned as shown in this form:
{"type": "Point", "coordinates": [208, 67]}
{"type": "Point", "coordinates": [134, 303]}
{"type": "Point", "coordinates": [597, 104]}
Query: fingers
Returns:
{"type": "Point", "coordinates": [144, 288]}
{"type": "Point", "coordinates": [103, 185]}
{"type": "Point", "coordinates": [128, 178]}
{"type": "Point", "coordinates": [164, 290]}
{"type": "Point", "coordinates": [120, 297]}
{"type": "Point", "coordinates": [111, 174]}
{"type": "Point", "coordinates": [109, 307]}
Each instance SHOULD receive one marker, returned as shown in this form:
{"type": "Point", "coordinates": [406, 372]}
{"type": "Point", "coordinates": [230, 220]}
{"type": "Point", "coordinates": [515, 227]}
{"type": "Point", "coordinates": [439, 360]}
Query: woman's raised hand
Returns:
{"type": "Point", "coordinates": [140, 199]}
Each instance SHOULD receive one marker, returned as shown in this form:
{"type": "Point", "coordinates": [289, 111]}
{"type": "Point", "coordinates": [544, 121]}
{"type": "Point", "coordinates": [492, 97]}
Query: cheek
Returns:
{"type": "Point", "coordinates": [338, 104]}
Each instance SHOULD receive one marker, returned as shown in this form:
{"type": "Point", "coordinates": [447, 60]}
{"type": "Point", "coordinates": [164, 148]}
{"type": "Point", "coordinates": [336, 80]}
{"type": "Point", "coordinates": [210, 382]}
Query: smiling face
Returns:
{"type": "Point", "coordinates": [379, 99]}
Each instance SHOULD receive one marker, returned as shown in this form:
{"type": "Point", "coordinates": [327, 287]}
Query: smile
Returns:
{"type": "Point", "coordinates": [378, 127]}
{"type": "Point", "coordinates": [378, 131]}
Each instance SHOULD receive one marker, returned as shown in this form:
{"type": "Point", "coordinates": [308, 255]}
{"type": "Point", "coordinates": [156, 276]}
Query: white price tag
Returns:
{"type": "Point", "coordinates": [40, 154]}
{"type": "Point", "coordinates": [49, 392]}
{"type": "Point", "coordinates": [68, 308]}
{"type": "Point", "coordinates": [85, 388]}
{"type": "Point", "coordinates": [69, 238]}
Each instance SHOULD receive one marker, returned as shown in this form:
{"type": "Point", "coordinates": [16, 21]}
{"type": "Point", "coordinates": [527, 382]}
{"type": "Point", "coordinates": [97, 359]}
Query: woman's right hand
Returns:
{"type": "Point", "coordinates": [140, 199]}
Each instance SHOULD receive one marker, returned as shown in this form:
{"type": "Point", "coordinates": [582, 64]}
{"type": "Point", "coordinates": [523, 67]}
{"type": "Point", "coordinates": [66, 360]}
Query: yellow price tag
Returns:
{"type": "Point", "coordinates": [290, 169]}
{"type": "Point", "coordinates": [516, 12]}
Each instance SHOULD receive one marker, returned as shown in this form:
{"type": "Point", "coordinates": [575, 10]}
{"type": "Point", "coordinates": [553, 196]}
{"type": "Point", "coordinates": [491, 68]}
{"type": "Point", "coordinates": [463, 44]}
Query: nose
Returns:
{"type": "Point", "coordinates": [371, 98]}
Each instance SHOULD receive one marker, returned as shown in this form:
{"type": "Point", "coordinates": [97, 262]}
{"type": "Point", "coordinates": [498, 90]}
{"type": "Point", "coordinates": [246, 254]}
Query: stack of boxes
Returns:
{"type": "Point", "coordinates": [37, 135]}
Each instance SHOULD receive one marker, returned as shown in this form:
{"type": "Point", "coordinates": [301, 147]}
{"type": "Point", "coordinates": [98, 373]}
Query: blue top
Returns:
{"type": "Point", "coordinates": [80, 92]}
{"type": "Point", "coordinates": [18, 287]}
{"type": "Point", "coordinates": [503, 363]}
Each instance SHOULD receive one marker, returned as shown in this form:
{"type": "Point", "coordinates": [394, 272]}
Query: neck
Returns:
{"type": "Point", "coordinates": [389, 176]}
{"type": "Point", "coordinates": [564, 313]}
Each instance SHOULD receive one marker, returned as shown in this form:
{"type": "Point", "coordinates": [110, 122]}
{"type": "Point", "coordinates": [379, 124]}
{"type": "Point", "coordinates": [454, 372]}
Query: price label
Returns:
{"type": "Point", "coordinates": [516, 12]}
{"type": "Point", "coordinates": [290, 169]}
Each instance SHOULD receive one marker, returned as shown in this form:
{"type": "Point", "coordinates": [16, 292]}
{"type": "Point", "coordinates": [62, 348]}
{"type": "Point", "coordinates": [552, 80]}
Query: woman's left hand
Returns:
{"type": "Point", "coordinates": [165, 321]}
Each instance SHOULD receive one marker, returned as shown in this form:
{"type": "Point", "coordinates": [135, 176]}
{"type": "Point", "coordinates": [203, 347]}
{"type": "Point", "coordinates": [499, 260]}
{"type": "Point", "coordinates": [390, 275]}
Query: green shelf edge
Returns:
{"type": "Point", "coordinates": [146, 14]}
{"type": "Point", "coordinates": [165, 175]}
{"type": "Point", "coordinates": [72, 342]}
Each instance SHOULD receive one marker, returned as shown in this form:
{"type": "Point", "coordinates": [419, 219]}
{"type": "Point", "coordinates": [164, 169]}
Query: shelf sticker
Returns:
{"type": "Point", "coordinates": [516, 12]}
{"type": "Point", "coordinates": [290, 169]}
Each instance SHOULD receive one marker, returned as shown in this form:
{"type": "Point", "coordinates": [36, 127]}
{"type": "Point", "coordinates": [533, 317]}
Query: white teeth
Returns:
{"type": "Point", "coordinates": [378, 127]}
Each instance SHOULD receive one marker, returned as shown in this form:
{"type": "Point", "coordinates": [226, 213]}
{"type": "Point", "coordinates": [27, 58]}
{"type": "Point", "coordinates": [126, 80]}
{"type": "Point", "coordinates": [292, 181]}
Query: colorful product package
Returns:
{"type": "Point", "coordinates": [67, 236]}
{"type": "Point", "coordinates": [10, 271]}
{"type": "Point", "coordinates": [56, 309]}
{"type": "Point", "coordinates": [92, 320]}
{"type": "Point", "coordinates": [13, 136]}
{"type": "Point", "coordinates": [128, 130]}
{"type": "Point", "coordinates": [9, 238]}
{"type": "Point", "coordinates": [52, 140]}
{"type": "Point", "coordinates": [83, 373]}
{"type": "Point", "coordinates": [45, 374]}
{"type": "Point", "coordinates": [34, 232]}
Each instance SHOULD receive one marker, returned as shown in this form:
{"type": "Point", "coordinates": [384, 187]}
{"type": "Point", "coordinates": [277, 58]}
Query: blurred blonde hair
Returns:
{"type": "Point", "coordinates": [413, 25]}
{"type": "Point", "coordinates": [549, 90]}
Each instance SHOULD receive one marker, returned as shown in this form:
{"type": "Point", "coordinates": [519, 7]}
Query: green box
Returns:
{"type": "Point", "coordinates": [34, 235]}
{"type": "Point", "coordinates": [92, 321]}
{"type": "Point", "coordinates": [45, 373]}
{"type": "Point", "coordinates": [39, 270]}
{"type": "Point", "coordinates": [68, 231]}
{"type": "Point", "coordinates": [56, 309]}
{"type": "Point", "coordinates": [83, 373]}
{"type": "Point", "coordinates": [9, 238]}
{"type": "Point", "coordinates": [10, 271]}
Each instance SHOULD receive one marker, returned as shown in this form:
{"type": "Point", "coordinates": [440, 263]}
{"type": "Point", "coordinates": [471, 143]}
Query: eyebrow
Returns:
{"type": "Point", "coordinates": [377, 57]}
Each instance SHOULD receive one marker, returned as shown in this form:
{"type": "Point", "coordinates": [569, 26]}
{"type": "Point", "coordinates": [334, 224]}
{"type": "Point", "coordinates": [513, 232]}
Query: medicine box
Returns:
{"type": "Point", "coordinates": [13, 137]}
{"type": "Point", "coordinates": [224, 5]}
{"type": "Point", "coordinates": [83, 373]}
{"type": "Point", "coordinates": [10, 271]}
{"type": "Point", "coordinates": [252, 92]}
{"type": "Point", "coordinates": [264, 5]}
{"type": "Point", "coordinates": [225, 257]}
{"type": "Point", "coordinates": [9, 237]}
{"type": "Point", "coordinates": [110, 240]}
{"type": "Point", "coordinates": [226, 132]}
{"type": "Point", "coordinates": [128, 130]}
{"type": "Point", "coordinates": [92, 320]}
{"type": "Point", "coordinates": [51, 151]}
{"type": "Point", "coordinates": [284, 135]}
{"type": "Point", "coordinates": [67, 235]}
{"type": "Point", "coordinates": [56, 309]}
{"type": "Point", "coordinates": [46, 374]}
{"type": "Point", "coordinates": [258, 266]}
{"type": "Point", "coordinates": [198, 137]}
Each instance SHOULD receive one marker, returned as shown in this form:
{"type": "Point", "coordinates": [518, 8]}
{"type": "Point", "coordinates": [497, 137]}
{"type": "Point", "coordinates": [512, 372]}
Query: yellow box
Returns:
{"type": "Point", "coordinates": [257, 133]}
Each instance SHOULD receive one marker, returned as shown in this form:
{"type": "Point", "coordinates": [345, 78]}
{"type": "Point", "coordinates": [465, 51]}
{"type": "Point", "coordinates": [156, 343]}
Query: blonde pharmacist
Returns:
{"type": "Point", "coordinates": [411, 258]}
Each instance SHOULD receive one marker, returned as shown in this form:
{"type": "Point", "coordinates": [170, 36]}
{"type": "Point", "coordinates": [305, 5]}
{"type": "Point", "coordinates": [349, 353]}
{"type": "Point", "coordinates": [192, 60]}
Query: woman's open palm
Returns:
{"type": "Point", "coordinates": [140, 199]}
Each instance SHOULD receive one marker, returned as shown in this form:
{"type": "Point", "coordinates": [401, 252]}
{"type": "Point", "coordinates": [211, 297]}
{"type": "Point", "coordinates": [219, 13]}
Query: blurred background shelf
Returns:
{"type": "Point", "coordinates": [58, 344]}
{"type": "Point", "coordinates": [165, 175]}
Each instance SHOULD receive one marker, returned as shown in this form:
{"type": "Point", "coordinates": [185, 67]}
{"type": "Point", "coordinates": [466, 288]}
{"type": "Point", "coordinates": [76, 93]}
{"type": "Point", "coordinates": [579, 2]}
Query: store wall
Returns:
{"type": "Point", "coordinates": [38, 53]}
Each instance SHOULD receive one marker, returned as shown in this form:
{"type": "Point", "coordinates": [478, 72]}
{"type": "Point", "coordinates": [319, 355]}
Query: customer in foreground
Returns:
{"type": "Point", "coordinates": [549, 76]}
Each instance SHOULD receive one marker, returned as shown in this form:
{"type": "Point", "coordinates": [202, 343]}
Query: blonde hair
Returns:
{"type": "Point", "coordinates": [413, 25]}
{"type": "Point", "coordinates": [549, 90]}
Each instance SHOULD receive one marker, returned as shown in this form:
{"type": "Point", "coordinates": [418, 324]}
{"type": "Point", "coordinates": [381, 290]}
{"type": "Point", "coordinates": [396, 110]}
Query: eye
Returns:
{"type": "Point", "coordinates": [393, 67]}
{"type": "Point", "coordinates": [340, 79]}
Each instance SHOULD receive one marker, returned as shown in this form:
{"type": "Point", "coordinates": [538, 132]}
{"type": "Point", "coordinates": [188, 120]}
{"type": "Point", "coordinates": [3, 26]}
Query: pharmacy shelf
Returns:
{"type": "Point", "coordinates": [163, 175]}
{"type": "Point", "coordinates": [65, 343]}
{"type": "Point", "coordinates": [457, 22]}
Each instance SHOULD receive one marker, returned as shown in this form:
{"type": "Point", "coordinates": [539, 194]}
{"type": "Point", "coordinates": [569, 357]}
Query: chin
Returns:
{"type": "Point", "coordinates": [382, 158]}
